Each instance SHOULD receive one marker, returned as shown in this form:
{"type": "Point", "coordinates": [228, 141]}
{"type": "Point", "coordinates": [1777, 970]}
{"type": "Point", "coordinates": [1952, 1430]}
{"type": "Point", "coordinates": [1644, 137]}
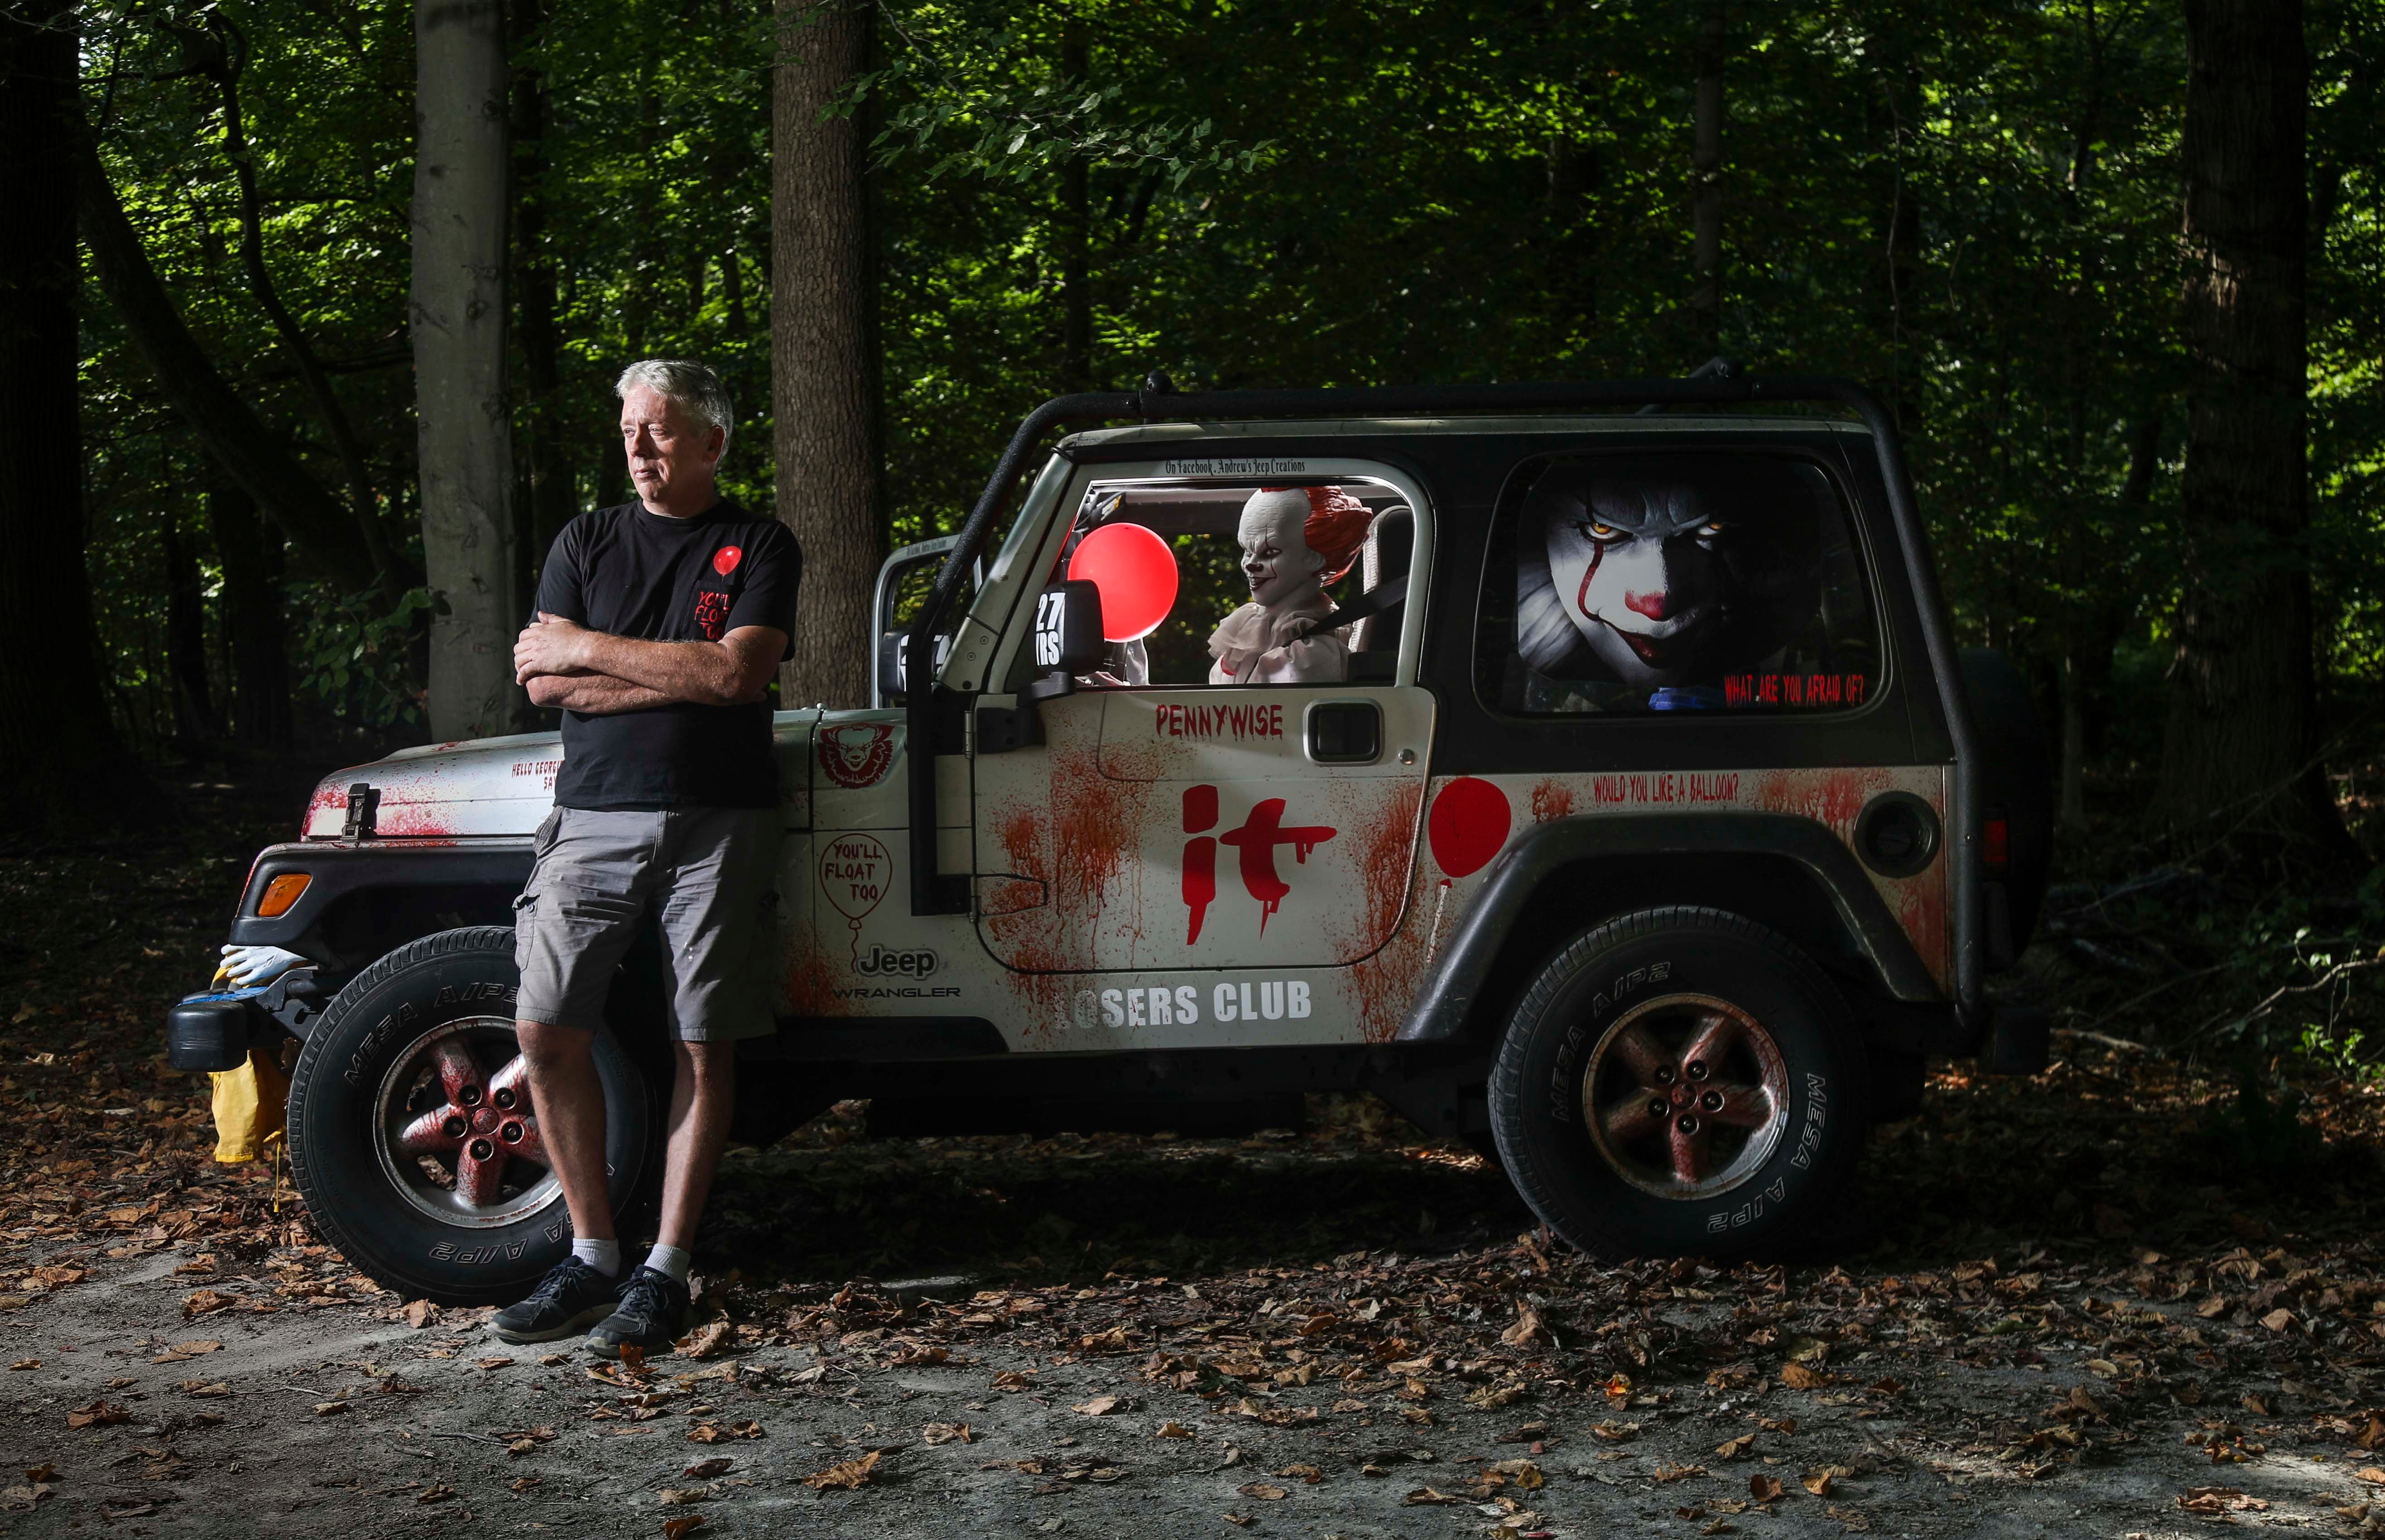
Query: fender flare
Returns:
{"type": "Point", "coordinates": [340, 870]}
{"type": "Point", "coordinates": [1457, 979]}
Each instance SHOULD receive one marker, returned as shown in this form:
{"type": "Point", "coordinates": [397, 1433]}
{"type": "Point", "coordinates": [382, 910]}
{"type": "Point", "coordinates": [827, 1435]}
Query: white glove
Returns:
{"type": "Point", "coordinates": [247, 967]}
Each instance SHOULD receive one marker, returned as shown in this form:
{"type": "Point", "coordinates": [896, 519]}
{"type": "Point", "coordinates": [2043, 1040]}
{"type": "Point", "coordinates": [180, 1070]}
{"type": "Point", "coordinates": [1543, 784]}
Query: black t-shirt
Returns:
{"type": "Point", "coordinates": [636, 574]}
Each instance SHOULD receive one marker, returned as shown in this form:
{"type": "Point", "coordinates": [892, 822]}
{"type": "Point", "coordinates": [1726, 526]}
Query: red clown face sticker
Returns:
{"type": "Point", "coordinates": [725, 559]}
{"type": "Point", "coordinates": [856, 754]}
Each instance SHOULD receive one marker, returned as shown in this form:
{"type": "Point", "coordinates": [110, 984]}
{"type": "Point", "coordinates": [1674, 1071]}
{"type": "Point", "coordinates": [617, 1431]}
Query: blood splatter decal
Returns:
{"type": "Point", "coordinates": [1552, 799]}
{"type": "Point", "coordinates": [1386, 958]}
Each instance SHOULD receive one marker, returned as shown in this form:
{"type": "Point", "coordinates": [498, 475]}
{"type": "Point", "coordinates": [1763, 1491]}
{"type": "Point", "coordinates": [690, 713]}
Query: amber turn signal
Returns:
{"type": "Point", "coordinates": [281, 893]}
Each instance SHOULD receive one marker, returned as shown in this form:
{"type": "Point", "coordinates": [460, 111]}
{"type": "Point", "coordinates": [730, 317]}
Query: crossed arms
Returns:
{"type": "Point", "coordinates": [564, 664]}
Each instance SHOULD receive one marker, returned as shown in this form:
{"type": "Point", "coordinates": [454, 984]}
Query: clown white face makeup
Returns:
{"type": "Point", "coordinates": [1640, 582]}
{"type": "Point", "coordinates": [1275, 557]}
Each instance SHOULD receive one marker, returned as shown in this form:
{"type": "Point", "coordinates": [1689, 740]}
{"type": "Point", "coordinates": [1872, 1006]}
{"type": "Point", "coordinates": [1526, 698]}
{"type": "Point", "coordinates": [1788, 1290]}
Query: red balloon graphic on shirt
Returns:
{"type": "Point", "coordinates": [1136, 574]}
{"type": "Point", "coordinates": [1469, 822]}
{"type": "Point", "coordinates": [725, 559]}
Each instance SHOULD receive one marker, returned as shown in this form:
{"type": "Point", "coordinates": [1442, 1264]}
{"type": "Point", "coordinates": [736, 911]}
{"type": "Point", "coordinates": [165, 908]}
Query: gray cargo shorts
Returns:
{"type": "Point", "coordinates": [709, 874]}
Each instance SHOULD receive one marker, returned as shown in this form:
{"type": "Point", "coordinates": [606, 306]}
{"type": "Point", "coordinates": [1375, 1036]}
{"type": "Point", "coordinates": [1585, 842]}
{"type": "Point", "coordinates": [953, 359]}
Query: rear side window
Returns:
{"type": "Point", "coordinates": [1636, 583]}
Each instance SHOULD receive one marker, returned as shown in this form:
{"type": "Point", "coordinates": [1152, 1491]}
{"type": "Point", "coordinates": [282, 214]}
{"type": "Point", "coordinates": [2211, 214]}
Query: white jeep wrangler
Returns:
{"type": "Point", "coordinates": [1645, 828]}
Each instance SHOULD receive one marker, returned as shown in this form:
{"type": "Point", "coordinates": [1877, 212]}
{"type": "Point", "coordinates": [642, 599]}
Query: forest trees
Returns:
{"type": "Point", "coordinates": [1975, 207]}
{"type": "Point", "coordinates": [2241, 726]}
{"type": "Point", "coordinates": [458, 327]}
{"type": "Point", "coordinates": [58, 756]}
{"type": "Point", "coordinates": [824, 377]}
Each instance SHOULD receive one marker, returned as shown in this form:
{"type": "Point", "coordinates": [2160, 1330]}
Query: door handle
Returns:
{"type": "Point", "coordinates": [1345, 732]}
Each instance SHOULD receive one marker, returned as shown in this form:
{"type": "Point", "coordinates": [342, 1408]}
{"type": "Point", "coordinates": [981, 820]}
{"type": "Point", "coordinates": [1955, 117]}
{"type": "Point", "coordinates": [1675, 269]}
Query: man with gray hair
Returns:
{"type": "Point", "coordinates": [660, 623]}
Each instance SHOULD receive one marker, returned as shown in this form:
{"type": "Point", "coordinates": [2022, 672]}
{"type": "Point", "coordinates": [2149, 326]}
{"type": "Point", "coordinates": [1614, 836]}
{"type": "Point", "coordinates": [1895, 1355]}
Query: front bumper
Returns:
{"type": "Point", "coordinates": [214, 1030]}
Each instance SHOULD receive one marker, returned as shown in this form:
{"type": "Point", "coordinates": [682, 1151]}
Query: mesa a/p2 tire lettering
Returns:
{"type": "Point", "coordinates": [447, 1251]}
{"type": "Point", "coordinates": [1680, 1081]}
{"type": "Point", "coordinates": [1578, 1035]}
{"type": "Point", "coordinates": [1809, 1139]}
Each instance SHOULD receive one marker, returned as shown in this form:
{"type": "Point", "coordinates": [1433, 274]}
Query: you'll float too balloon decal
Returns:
{"type": "Point", "coordinates": [855, 872]}
{"type": "Point", "coordinates": [1468, 825]}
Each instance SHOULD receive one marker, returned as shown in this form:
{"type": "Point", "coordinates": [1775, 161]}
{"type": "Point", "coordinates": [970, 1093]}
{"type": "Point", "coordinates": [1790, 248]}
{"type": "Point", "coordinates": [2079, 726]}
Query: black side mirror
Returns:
{"type": "Point", "coordinates": [893, 657]}
{"type": "Point", "coordinates": [1069, 628]}
{"type": "Point", "coordinates": [1067, 642]}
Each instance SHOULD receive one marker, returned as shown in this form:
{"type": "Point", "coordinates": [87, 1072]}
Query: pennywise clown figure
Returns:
{"type": "Point", "coordinates": [1654, 575]}
{"type": "Point", "coordinates": [1295, 541]}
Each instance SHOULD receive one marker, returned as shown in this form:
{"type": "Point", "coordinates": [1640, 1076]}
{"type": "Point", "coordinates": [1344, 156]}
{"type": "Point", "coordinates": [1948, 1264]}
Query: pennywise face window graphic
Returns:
{"type": "Point", "coordinates": [1675, 582]}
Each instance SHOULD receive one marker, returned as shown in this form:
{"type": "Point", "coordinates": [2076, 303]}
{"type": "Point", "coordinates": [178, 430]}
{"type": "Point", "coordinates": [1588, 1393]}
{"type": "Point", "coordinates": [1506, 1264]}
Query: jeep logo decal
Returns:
{"type": "Point", "coordinates": [884, 962]}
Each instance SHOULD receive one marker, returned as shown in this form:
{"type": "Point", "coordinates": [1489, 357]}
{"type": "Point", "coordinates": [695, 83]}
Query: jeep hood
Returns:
{"type": "Point", "coordinates": [495, 786]}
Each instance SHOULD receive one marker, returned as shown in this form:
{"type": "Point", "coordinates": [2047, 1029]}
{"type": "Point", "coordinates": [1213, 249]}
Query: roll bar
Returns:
{"type": "Point", "coordinates": [934, 892]}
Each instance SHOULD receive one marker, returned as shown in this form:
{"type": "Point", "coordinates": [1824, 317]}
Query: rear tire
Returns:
{"type": "Point", "coordinates": [386, 1139]}
{"type": "Point", "coordinates": [1681, 1082]}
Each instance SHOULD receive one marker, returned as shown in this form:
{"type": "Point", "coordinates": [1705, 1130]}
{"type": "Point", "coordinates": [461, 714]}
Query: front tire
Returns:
{"type": "Point", "coordinates": [1681, 1082]}
{"type": "Point", "coordinates": [412, 1135]}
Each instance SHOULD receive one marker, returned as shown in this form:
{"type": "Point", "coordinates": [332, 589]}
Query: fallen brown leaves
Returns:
{"type": "Point", "coordinates": [2219, 1499]}
{"type": "Point", "coordinates": [715, 1433]}
{"type": "Point", "coordinates": [846, 1476]}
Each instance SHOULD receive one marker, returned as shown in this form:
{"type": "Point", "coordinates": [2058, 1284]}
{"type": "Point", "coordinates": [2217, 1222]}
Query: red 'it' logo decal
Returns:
{"type": "Point", "coordinates": [725, 559]}
{"type": "Point", "coordinates": [1257, 839]}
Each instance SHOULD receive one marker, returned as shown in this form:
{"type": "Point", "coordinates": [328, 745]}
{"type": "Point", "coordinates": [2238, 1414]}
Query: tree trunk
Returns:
{"type": "Point", "coordinates": [2091, 628]}
{"type": "Point", "coordinates": [251, 616]}
{"type": "Point", "coordinates": [465, 434]}
{"type": "Point", "coordinates": [1076, 219]}
{"type": "Point", "coordinates": [823, 382]}
{"type": "Point", "coordinates": [1705, 200]}
{"type": "Point", "coordinates": [232, 434]}
{"type": "Point", "coordinates": [61, 764]}
{"type": "Point", "coordinates": [2238, 750]}
{"type": "Point", "coordinates": [195, 726]}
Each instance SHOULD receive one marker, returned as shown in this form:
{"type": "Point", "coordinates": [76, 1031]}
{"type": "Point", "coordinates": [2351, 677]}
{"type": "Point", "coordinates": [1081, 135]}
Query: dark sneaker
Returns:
{"type": "Point", "coordinates": [652, 1315]}
{"type": "Point", "coordinates": [570, 1299]}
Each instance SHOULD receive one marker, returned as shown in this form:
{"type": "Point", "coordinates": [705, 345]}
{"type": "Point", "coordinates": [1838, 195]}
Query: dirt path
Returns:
{"type": "Point", "coordinates": [1427, 1392]}
{"type": "Point", "coordinates": [2077, 1305]}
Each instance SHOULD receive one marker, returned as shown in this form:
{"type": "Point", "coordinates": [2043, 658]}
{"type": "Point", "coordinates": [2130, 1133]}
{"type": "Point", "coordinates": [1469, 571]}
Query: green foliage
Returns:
{"type": "Point", "coordinates": [2347, 1057]}
{"type": "Point", "coordinates": [1971, 205]}
{"type": "Point", "coordinates": [952, 79]}
{"type": "Point", "coordinates": [353, 655]}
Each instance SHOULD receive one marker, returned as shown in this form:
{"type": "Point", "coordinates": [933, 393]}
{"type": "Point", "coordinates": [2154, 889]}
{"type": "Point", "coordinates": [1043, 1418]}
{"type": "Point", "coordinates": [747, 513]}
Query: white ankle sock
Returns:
{"type": "Point", "coordinates": [669, 1259]}
{"type": "Point", "coordinates": [605, 1256]}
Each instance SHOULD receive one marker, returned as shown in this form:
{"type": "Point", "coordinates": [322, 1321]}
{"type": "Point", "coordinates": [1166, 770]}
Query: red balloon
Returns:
{"type": "Point", "coordinates": [1469, 822]}
{"type": "Point", "coordinates": [1136, 573]}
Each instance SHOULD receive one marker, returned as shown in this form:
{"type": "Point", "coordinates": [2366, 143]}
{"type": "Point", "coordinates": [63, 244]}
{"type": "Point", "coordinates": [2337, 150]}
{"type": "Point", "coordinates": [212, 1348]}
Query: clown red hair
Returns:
{"type": "Point", "coordinates": [1335, 529]}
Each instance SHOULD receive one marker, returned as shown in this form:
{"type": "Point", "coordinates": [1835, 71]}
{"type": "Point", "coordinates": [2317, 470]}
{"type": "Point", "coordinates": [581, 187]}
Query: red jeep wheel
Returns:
{"type": "Point", "coordinates": [1680, 1081]}
{"type": "Point", "coordinates": [413, 1137]}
